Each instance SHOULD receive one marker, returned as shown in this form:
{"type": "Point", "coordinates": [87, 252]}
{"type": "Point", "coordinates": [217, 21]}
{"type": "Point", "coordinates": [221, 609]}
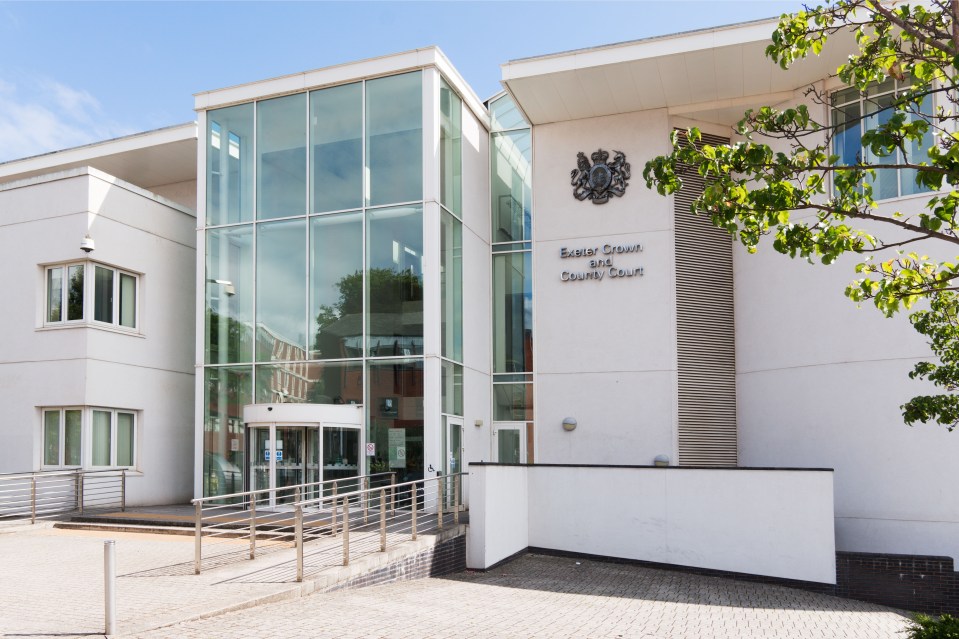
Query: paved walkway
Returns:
{"type": "Point", "coordinates": [52, 586]}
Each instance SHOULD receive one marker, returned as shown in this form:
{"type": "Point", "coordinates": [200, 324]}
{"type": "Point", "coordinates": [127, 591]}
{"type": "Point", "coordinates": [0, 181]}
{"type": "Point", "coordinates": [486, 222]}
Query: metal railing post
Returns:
{"type": "Point", "coordinates": [33, 500]}
{"type": "Point", "coordinates": [413, 520]}
{"type": "Point", "coordinates": [123, 490]}
{"type": "Point", "coordinates": [456, 499]}
{"type": "Point", "coordinates": [440, 495]}
{"type": "Point", "coordinates": [346, 531]}
{"type": "Point", "coordinates": [76, 490]}
{"type": "Point", "coordinates": [198, 542]}
{"type": "Point", "coordinates": [382, 520]}
{"type": "Point", "coordinates": [334, 509]}
{"type": "Point", "coordinates": [80, 492]}
{"type": "Point", "coordinates": [298, 519]}
{"type": "Point", "coordinates": [392, 493]}
{"type": "Point", "coordinates": [110, 587]}
{"type": "Point", "coordinates": [253, 526]}
{"type": "Point", "coordinates": [366, 498]}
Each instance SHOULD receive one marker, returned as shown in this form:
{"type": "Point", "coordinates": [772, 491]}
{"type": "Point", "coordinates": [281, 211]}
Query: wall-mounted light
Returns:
{"type": "Point", "coordinates": [661, 460]}
{"type": "Point", "coordinates": [478, 423]}
{"type": "Point", "coordinates": [87, 244]}
{"type": "Point", "coordinates": [227, 285]}
{"type": "Point", "coordinates": [569, 424]}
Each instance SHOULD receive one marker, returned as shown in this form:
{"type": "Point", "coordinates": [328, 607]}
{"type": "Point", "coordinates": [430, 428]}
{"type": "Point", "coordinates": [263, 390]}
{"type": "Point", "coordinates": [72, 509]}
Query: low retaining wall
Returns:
{"type": "Point", "coordinates": [771, 522]}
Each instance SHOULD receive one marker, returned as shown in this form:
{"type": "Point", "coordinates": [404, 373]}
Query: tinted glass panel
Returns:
{"type": "Point", "coordinates": [512, 313]}
{"type": "Point", "coordinates": [336, 286]}
{"type": "Point", "coordinates": [125, 439]}
{"type": "Point", "coordinates": [51, 438]}
{"type": "Point", "coordinates": [101, 438]}
{"type": "Point", "coordinates": [451, 160]}
{"type": "Point", "coordinates": [396, 417]}
{"type": "Point", "coordinates": [103, 295]}
{"type": "Point", "coordinates": [511, 186]}
{"type": "Point", "coordinates": [505, 115]}
{"type": "Point", "coordinates": [512, 402]}
{"type": "Point", "coordinates": [128, 300]}
{"type": "Point", "coordinates": [229, 295]}
{"type": "Point", "coordinates": [54, 294]}
{"type": "Point", "coordinates": [394, 139]}
{"type": "Point", "coordinates": [281, 291]}
{"type": "Point", "coordinates": [229, 165]}
{"type": "Point", "coordinates": [395, 281]}
{"type": "Point", "coordinates": [336, 140]}
{"type": "Point", "coordinates": [71, 445]}
{"type": "Point", "coordinates": [452, 388]}
{"type": "Point", "coordinates": [281, 157]}
{"type": "Point", "coordinates": [75, 292]}
{"type": "Point", "coordinates": [310, 382]}
{"type": "Point", "coordinates": [451, 286]}
{"type": "Point", "coordinates": [227, 390]}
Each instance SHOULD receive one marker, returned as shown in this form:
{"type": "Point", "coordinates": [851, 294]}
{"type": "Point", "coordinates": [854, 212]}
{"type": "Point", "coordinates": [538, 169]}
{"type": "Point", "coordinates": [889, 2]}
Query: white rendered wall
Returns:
{"type": "Point", "coordinates": [42, 221]}
{"type": "Point", "coordinates": [605, 350]}
{"type": "Point", "coordinates": [777, 523]}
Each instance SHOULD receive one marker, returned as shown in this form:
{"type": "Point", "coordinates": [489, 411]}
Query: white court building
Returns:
{"type": "Point", "coordinates": [369, 254]}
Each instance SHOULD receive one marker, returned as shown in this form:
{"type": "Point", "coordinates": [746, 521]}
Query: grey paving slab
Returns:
{"type": "Point", "coordinates": [537, 596]}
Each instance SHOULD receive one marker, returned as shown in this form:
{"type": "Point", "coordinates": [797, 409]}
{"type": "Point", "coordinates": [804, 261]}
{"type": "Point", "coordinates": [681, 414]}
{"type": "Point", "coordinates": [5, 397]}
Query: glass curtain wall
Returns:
{"type": "Point", "coordinates": [314, 263]}
{"type": "Point", "coordinates": [511, 215]}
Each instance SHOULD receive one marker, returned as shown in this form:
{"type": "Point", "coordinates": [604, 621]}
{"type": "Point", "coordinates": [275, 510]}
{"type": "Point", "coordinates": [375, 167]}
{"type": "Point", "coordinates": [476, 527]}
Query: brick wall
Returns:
{"type": "Point", "coordinates": [911, 582]}
{"type": "Point", "coordinates": [442, 559]}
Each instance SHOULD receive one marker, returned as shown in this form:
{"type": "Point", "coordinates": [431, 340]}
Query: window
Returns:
{"type": "Point", "coordinates": [854, 112]}
{"type": "Point", "coordinates": [91, 292]}
{"type": "Point", "coordinates": [110, 434]}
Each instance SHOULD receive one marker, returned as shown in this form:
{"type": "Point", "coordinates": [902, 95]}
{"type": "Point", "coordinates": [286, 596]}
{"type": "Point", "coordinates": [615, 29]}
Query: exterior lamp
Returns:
{"type": "Point", "coordinates": [661, 460]}
{"type": "Point", "coordinates": [569, 424]}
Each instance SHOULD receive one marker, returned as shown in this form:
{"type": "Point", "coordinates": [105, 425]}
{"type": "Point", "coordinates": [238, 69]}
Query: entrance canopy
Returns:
{"type": "Point", "coordinates": [325, 414]}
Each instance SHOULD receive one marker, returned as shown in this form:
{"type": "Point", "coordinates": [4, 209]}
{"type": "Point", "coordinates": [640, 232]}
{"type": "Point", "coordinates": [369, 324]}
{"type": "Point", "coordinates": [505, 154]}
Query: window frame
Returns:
{"type": "Point", "coordinates": [88, 304]}
{"type": "Point", "coordinates": [61, 442]}
{"type": "Point", "coordinates": [86, 438]}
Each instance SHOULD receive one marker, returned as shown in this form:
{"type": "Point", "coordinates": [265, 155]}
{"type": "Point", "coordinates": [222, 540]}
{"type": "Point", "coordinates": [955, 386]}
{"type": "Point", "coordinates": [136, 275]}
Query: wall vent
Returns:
{"type": "Point", "coordinates": [705, 332]}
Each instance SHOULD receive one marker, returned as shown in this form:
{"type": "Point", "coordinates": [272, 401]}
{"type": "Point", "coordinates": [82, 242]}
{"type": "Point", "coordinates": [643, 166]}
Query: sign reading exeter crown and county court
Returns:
{"type": "Point", "coordinates": [599, 262]}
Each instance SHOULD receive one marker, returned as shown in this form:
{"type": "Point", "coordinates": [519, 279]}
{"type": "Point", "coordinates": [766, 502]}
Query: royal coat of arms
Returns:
{"type": "Point", "coordinates": [600, 180]}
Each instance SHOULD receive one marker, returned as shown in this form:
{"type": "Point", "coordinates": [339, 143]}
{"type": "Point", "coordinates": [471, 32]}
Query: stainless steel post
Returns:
{"type": "Point", "coordinates": [253, 526]}
{"type": "Point", "coordinates": [80, 493]}
{"type": "Point", "coordinates": [456, 499]}
{"type": "Point", "coordinates": [110, 587]}
{"type": "Point", "coordinates": [334, 509]}
{"type": "Point", "coordinates": [392, 493]}
{"type": "Point", "coordinates": [440, 495]}
{"type": "Point", "coordinates": [413, 500]}
{"type": "Point", "coordinates": [382, 520]}
{"type": "Point", "coordinates": [298, 518]}
{"type": "Point", "coordinates": [33, 500]}
{"type": "Point", "coordinates": [123, 490]}
{"type": "Point", "coordinates": [198, 541]}
{"type": "Point", "coordinates": [366, 498]}
{"type": "Point", "coordinates": [346, 531]}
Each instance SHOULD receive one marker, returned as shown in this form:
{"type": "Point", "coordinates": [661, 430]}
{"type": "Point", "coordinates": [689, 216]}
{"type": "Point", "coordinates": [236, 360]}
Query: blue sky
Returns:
{"type": "Point", "coordinates": [77, 72]}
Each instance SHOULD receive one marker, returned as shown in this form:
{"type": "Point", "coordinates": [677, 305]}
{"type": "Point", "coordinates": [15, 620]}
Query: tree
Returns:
{"type": "Point", "coordinates": [818, 200]}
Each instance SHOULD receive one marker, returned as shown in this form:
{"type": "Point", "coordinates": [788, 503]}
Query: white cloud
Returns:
{"type": "Point", "coordinates": [44, 115]}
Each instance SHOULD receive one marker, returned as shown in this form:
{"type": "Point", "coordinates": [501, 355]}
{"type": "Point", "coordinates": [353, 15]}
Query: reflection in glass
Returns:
{"type": "Point", "coordinates": [511, 186]}
{"type": "Point", "coordinates": [505, 115]}
{"type": "Point", "coordinates": [281, 291]}
{"type": "Point", "coordinates": [229, 295]}
{"type": "Point", "coordinates": [512, 402]}
{"type": "Point", "coordinates": [51, 438]}
{"type": "Point", "coordinates": [917, 152]}
{"type": "Point", "coordinates": [103, 294]}
{"type": "Point", "coordinates": [885, 184]}
{"type": "Point", "coordinates": [336, 140]}
{"type": "Point", "coordinates": [71, 444]}
{"type": "Point", "coordinates": [451, 286]}
{"type": "Point", "coordinates": [288, 460]}
{"type": "Point", "coordinates": [512, 313]}
{"type": "Point", "coordinates": [281, 157]}
{"type": "Point", "coordinates": [396, 416]}
{"type": "Point", "coordinates": [128, 300]}
{"type": "Point", "coordinates": [341, 457]}
{"type": "Point", "coordinates": [124, 439]}
{"type": "Point", "coordinates": [336, 286]}
{"type": "Point", "coordinates": [227, 390]}
{"type": "Point", "coordinates": [452, 382]}
{"type": "Point", "coordinates": [101, 438]}
{"type": "Point", "coordinates": [508, 448]}
{"type": "Point", "coordinates": [451, 159]}
{"type": "Point", "coordinates": [54, 294]}
{"type": "Point", "coordinates": [229, 165]}
{"type": "Point", "coordinates": [394, 139]}
{"type": "Point", "coordinates": [395, 281]}
{"type": "Point", "coordinates": [310, 382]}
{"type": "Point", "coordinates": [75, 292]}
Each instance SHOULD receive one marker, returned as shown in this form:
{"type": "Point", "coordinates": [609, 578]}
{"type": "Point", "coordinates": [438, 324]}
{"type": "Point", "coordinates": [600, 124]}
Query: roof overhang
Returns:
{"type": "Point", "coordinates": [153, 158]}
{"type": "Point", "coordinates": [713, 75]}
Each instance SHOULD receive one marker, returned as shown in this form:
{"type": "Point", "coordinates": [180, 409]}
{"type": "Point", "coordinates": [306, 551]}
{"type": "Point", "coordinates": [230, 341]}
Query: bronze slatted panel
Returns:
{"type": "Point", "coordinates": [706, 337]}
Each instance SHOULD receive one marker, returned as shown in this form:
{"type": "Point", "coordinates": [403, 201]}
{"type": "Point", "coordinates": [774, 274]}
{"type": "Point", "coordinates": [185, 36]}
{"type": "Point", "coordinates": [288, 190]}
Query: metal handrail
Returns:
{"type": "Point", "coordinates": [44, 494]}
{"type": "Point", "coordinates": [239, 517]}
{"type": "Point", "coordinates": [382, 505]}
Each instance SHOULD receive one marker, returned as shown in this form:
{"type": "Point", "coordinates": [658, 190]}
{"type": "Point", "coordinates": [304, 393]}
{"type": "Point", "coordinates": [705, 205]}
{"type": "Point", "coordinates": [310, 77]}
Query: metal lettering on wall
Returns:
{"type": "Point", "coordinates": [600, 181]}
{"type": "Point", "coordinates": [598, 262]}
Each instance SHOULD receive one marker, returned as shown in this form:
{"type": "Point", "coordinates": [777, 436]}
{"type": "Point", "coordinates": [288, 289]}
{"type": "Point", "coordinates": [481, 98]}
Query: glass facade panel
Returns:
{"type": "Point", "coordinates": [281, 157]}
{"type": "Point", "coordinates": [72, 438]}
{"type": "Point", "coordinates": [227, 390]}
{"type": "Point", "coordinates": [512, 313]}
{"type": "Point", "coordinates": [452, 382]}
{"type": "Point", "coordinates": [101, 438]}
{"type": "Point", "coordinates": [51, 438]}
{"type": "Point", "coordinates": [125, 435]}
{"type": "Point", "coordinates": [395, 281]}
{"type": "Point", "coordinates": [229, 165]}
{"type": "Point", "coordinates": [336, 286]}
{"type": "Point", "coordinates": [451, 286]}
{"type": "Point", "coordinates": [103, 294]}
{"type": "Point", "coordinates": [451, 144]}
{"type": "Point", "coordinates": [229, 295]}
{"type": "Point", "coordinates": [917, 152]}
{"type": "Point", "coordinates": [505, 115]}
{"type": "Point", "coordinates": [511, 156]}
{"type": "Point", "coordinates": [336, 143]}
{"type": "Point", "coordinates": [54, 294]}
{"type": "Point", "coordinates": [75, 292]}
{"type": "Point", "coordinates": [508, 446]}
{"type": "Point", "coordinates": [512, 402]}
{"type": "Point", "coordinates": [885, 184]}
{"type": "Point", "coordinates": [394, 139]}
{"type": "Point", "coordinates": [128, 300]}
{"type": "Point", "coordinates": [281, 291]}
{"type": "Point", "coordinates": [396, 416]}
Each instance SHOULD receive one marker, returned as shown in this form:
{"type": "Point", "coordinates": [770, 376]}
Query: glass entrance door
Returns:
{"type": "Point", "coordinates": [509, 443]}
{"type": "Point", "coordinates": [341, 457]}
{"type": "Point", "coordinates": [453, 450]}
{"type": "Point", "coordinates": [278, 460]}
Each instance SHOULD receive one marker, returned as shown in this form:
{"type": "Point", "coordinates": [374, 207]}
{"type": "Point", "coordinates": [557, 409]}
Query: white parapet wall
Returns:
{"type": "Point", "coordinates": [770, 522]}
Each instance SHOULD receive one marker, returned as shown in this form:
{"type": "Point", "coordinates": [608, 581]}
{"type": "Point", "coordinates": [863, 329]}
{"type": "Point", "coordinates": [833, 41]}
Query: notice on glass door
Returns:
{"type": "Point", "coordinates": [396, 444]}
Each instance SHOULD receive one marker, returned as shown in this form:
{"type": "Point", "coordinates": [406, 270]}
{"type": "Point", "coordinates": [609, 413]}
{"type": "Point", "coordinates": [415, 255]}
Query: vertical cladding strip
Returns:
{"type": "Point", "coordinates": [705, 332]}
